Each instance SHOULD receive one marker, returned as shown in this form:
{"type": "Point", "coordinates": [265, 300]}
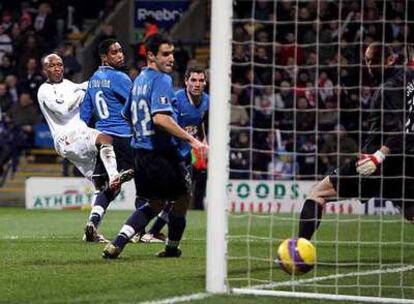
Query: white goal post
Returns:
{"type": "Point", "coordinates": [218, 171]}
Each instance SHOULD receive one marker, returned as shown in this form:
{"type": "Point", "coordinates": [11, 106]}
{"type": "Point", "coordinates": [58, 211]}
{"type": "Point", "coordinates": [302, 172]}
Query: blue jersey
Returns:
{"type": "Point", "coordinates": [152, 93]}
{"type": "Point", "coordinates": [108, 90]}
{"type": "Point", "coordinates": [189, 117]}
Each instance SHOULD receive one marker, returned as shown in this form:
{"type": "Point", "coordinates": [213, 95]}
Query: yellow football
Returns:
{"type": "Point", "coordinates": [296, 256]}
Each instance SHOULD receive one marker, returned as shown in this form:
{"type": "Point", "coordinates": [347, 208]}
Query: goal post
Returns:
{"type": "Point", "coordinates": [218, 170]}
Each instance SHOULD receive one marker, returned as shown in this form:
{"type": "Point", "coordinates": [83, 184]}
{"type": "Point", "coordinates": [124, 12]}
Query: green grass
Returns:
{"type": "Point", "coordinates": [43, 259]}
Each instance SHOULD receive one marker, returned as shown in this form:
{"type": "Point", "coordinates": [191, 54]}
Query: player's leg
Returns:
{"type": "Point", "coordinates": [154, 235]}
{"type": "Point", "coordinates": [136, 222]}
{"type": "Point", "coordinates": [145, 167]}
{"type": "Point", "coordinates": [108, 158]}
{"type": "Point", "coordinates": [311, 214]}
{"type": "Point", "coordinates": [176, 226]}
{"type": "Point", "coordinates": [181, 189]}
{"type": "Point", "coordinates": [104, 195]}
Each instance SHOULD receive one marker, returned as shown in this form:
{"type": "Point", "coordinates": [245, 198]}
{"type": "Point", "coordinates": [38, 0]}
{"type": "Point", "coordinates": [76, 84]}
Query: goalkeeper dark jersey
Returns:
{"type": "Point", "coordinates": [390, 114]}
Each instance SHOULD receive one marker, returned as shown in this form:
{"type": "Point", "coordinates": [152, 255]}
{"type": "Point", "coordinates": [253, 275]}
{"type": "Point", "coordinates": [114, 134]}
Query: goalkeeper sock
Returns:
{"type": "Point", "coordinates": [310, 219]}
{"type": "Point", "coordinates": [161, 220]}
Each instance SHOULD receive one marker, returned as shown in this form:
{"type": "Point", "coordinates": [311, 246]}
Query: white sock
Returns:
{"type": "Point", "coordinates": [108, 158]}
{"type": "Point", "coordinates": [128, 231]}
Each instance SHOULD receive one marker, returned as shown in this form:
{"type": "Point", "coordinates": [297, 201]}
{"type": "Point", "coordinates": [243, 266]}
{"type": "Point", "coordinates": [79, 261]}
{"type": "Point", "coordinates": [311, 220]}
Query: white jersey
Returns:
{"type": "Point", "coordinates": [73, 139]}
{"type": "Point", "coordinates": [59, 103]}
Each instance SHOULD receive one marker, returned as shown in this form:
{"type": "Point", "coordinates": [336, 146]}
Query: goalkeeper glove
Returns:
{"type": "Point", "coordinates": [367, 163]}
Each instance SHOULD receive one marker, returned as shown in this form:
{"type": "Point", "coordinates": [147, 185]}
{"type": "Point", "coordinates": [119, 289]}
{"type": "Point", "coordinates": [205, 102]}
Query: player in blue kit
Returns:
{"type": "Point", "coordinates": [107, 92]}
{"type": "Point", "coordinates": [160, 172]}
{"type": "Point", "coordinates": [191, 105]}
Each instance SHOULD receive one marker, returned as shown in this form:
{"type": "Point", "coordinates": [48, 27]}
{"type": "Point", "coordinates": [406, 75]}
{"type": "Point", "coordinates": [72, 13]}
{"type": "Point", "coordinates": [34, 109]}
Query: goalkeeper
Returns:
{"type": "Point", "coordinates": [385, 168]}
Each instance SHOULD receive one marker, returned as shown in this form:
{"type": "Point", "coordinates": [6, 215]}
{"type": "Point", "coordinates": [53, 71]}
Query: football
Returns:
{"type": "Point", "coordinates": [296, 256]}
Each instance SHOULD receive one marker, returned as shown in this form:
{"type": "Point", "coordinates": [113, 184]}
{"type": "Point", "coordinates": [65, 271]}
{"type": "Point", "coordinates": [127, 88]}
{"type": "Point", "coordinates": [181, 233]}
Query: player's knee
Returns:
{"type": "Point", "coordinates": [103, 140]}
{"type": "Point", "coordinates": [316, 196]}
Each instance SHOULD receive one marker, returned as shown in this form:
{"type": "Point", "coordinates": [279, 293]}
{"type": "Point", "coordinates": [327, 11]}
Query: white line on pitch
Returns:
{"type": "Point", "coordinates": [332, 276]}
{"type": "Point", "coordinates": [186, 298]}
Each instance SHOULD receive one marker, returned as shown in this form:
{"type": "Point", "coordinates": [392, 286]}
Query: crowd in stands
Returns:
{"type": "Point", "coordinates": [298, 78]}
{"type": "Point", "coordinates": [28, 30]}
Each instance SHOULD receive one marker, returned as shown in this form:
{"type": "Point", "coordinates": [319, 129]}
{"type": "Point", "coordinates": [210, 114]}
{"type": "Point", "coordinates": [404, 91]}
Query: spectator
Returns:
{"type": "Point", "coordinates": [335, 143]}
{"type": "Point", "coordinates": [25, 115]}
{"type": "Point", "coordinates": [31, 48]}
{"type": "Point", "coordinates": [6, 46]}
{"type": "Point", "coordinates": [45, 24]}
{"type": "Point", "coordinates": [239, 157]}
{"type": "Point", "coordinates": [307, 158]}
{"type": "Point", "coordinates": [6, 21]}
{"type": "Point", "coordinates": [12, 89]}
{"type": "Point", "coordinates": [281, 167]}
{"type": "Point", "coordinates": [66, 51]}
{"type": "Point", "coordinates": [31, 78]}
{"type": "Point", "coordinates": [7, 67]}
{"type": "Point", "coordinates": [325, 86]}
{"type": "Point", "coordinates": [238, 113]}
{"type": "Point", "coordinates": [150, 28]}
{"type": "Point", "coordinates": [5, 99]}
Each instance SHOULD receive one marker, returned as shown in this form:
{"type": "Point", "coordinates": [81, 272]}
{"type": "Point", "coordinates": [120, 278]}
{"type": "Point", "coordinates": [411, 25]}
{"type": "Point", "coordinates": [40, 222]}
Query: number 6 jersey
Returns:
{"type": "Point", "coordinates": [108, 90]}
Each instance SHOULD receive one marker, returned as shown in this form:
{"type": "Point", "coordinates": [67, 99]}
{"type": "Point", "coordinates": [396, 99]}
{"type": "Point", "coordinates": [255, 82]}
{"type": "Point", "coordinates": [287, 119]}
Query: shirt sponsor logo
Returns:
{"type": "Point", "coordinates": [163, 99]}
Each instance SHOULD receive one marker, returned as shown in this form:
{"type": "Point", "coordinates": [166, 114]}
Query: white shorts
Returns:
{"type": "Point", "coordinates": [79, 147]}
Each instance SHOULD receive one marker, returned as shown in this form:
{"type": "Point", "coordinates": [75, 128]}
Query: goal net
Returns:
{"type": "Point", "coordinates": [299, 104]}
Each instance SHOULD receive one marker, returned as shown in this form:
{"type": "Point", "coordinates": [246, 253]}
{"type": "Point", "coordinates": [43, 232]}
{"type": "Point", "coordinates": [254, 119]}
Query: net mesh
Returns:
{"type": "Point", "coordinates": [301, 101]}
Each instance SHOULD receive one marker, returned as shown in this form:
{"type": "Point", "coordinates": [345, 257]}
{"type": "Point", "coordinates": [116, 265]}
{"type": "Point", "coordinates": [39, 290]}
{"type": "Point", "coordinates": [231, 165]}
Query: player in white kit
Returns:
{"type": "Point", "coordinates": [59, 101]}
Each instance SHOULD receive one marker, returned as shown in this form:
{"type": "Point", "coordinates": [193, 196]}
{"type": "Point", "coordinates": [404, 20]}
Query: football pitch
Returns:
{"type": "Point", "coordinates": [43, 260]}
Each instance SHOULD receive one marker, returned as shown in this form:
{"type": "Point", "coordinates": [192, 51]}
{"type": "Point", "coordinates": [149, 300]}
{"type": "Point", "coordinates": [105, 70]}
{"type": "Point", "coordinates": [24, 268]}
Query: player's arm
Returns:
{"type": "Point", "coordinates": [202, 130]}
{"type": "Point", "coordinates": [168, 124]}
{"type": "Point", "coordinates": [161, 109]}
{"type": "Point", "coordinates": [368, 163]}
{"type": "Point", "coordinates": [202, 133]}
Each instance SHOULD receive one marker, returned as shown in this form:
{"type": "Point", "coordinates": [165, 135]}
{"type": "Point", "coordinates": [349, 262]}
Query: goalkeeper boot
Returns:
{"type": "Point", "coordinates": [111, 251]}
{"type": "Point", "coordinates": [169, 252]}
